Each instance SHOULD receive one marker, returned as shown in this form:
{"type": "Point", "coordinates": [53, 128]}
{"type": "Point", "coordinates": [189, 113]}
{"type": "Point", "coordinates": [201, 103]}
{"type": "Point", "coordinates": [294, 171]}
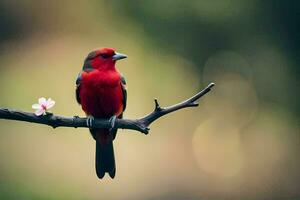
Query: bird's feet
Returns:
{"type": "Point", "coordinates": [112, 122]}
{"type": "Point", "coordinates": [89, 121]}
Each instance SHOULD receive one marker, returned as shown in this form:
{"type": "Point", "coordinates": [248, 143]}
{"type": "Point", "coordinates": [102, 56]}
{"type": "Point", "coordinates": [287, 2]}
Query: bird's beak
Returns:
{"type": "Point", "coordinates": [118, 56]}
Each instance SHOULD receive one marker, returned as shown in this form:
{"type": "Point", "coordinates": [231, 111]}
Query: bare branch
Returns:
{"type": "Point", "coordinates": [141, 124]}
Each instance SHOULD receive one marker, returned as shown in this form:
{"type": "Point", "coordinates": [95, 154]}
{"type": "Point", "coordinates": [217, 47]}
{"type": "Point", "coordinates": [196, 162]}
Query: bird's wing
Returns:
{"type": "Point", "coordinates": [124, 91]}
{"type": "Point", "coordinates": [78, 81]}
{"type": "Point", "coordinates": [87, 67]}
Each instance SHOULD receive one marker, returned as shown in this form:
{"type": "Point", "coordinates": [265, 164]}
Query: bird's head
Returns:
{"type": "Point", "coordinates": [102, 59]}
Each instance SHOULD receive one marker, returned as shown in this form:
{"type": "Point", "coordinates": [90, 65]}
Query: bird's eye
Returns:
{"type": "Point", "coordinates": [104, 55]}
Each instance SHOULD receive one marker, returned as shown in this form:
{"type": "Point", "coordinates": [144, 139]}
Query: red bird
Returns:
{"type": "Point", "coordinates": [100, 89]}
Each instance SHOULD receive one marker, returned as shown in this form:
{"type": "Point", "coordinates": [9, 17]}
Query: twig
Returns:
{"type": "Point", "coordinates": [141, 124]}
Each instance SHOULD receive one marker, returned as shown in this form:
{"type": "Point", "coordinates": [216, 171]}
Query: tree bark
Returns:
{"type": "Point", "coordinates": [141, 125]}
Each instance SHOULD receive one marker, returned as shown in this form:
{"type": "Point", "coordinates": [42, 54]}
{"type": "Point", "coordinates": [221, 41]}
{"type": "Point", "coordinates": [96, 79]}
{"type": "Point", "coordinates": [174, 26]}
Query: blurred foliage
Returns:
{"type": "Point", "coordinates": [197, 29]}
{"type": "Point", "coordinates": [242, 142]}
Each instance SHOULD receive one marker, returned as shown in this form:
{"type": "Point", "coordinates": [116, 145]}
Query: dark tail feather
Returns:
{"type": "Point", "coordinates": [105, 159]}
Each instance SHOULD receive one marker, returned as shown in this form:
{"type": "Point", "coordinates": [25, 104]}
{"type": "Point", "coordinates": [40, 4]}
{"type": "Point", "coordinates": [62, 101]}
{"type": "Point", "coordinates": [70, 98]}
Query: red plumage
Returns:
{"type": "Point", "coordinates": [101, 93]}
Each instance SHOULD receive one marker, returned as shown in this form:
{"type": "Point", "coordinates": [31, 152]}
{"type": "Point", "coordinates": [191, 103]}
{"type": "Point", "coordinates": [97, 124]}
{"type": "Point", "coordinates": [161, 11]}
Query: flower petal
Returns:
{"type": "Point", "coordinates": [39, 112]}
{"type": "Point", "coordinates": [50, 103]}
{"type": "Point", "coordinates": [36, 106]}
{"type": "Point", "coordinates": [42, 100]}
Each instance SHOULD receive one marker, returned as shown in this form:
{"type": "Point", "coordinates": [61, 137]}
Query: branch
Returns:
{"type": "Point", "coordinates": [141, 124]}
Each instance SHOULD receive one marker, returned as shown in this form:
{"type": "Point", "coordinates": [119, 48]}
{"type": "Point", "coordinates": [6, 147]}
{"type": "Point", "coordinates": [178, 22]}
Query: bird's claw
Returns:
{"type": "Point", "coordinates": [112, 122]}
{"type": "Point", "coordinates": [89, 121]}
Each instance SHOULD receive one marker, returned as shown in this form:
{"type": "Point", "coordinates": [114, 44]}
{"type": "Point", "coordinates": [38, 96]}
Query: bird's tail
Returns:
{"type": "Point", "coordinates": [105, 158]}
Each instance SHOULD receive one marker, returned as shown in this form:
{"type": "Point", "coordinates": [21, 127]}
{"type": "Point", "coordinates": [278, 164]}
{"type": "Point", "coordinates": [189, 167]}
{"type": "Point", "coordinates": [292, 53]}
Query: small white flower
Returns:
{"type": "Point", "coordinates": [43, 105]}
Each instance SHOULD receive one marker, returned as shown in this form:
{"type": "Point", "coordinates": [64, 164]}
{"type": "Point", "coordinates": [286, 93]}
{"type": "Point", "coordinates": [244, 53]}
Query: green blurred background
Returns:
{"type": "Point", "coordinates": [242, 142]}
